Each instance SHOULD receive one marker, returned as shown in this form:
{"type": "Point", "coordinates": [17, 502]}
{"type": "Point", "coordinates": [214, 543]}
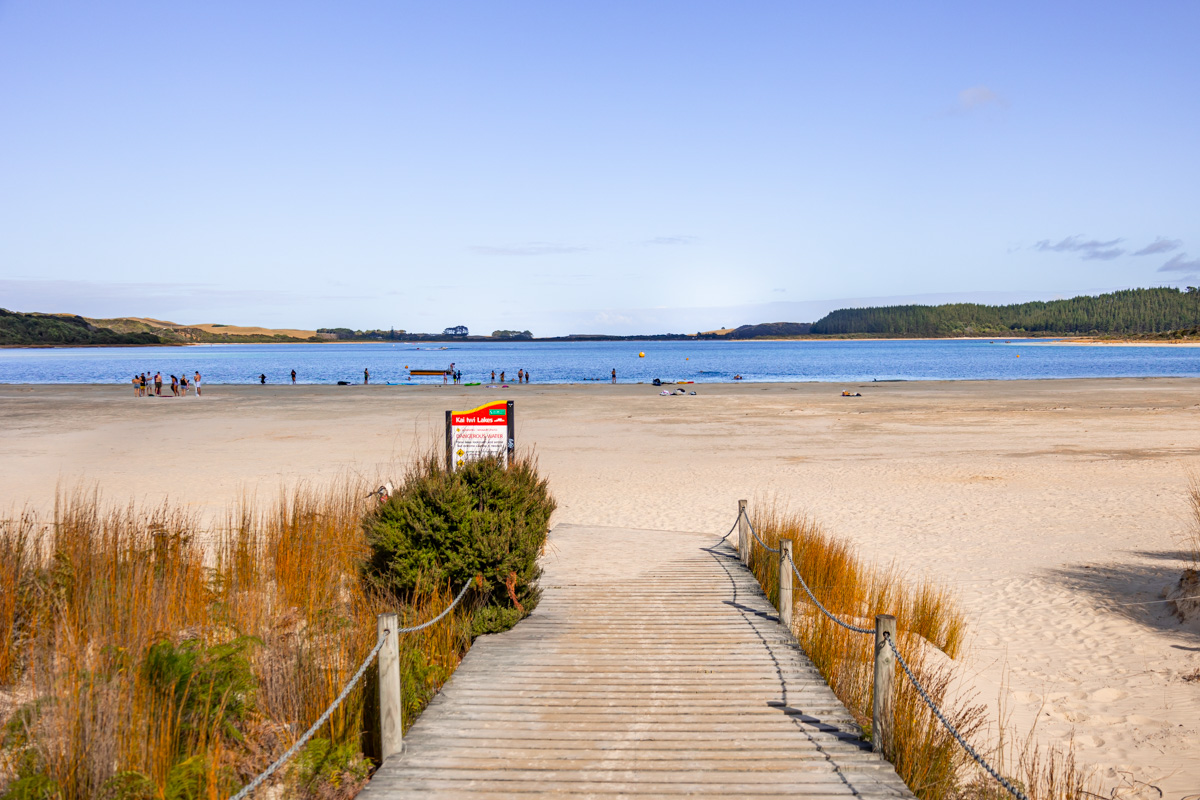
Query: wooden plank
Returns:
{"type": "Point", "coordinates": [652, 667]}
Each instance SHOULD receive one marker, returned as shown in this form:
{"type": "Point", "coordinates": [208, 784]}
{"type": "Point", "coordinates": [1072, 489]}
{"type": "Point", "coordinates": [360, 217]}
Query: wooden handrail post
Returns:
{"type": "Point", "coordinates": [743, 534]}
{"type": "Point", "coordinates": [391, 728]}
{"type": "Point", "coordinates": [785, 583]}
{"type": "Point", "coordinates": [885, 669]}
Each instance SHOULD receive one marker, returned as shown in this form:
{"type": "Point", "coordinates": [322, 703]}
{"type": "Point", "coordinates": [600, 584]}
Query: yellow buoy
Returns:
{"type": "Point", "coordinates": [641, 355]}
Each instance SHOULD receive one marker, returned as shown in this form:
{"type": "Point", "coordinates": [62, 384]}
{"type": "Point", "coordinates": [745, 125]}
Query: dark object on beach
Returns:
{"type": "Point", "coordinates": [656, 382]}
{"type": "Point", "coordinates": [343, 383]}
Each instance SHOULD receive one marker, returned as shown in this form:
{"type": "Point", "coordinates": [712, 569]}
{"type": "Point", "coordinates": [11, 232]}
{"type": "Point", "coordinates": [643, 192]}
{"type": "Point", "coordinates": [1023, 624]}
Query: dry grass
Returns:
{"type": "Point", "coordinates": [144, 657]}
{"type": "Point", "coordinates": [930, 631]}
{"type": "Point", "coordinates": [1191, 537]}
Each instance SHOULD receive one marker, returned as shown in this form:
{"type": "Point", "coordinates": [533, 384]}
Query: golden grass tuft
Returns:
{"type": "Point", "coordinates": [931, 627]}
{"type": "Point", "coordinates": [1191, 537]}
{"type": "Point", "coordinates": [85, 597]}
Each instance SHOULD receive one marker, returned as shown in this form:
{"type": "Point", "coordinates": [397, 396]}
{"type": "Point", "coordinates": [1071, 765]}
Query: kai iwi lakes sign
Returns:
{"type": "Point", "coordinates": [480, 432]}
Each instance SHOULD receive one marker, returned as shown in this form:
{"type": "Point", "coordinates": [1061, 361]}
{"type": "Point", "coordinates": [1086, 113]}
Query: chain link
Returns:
{"type": "Point", "coordinates": [1014, 791]}
{"type": "Point", "coordinates": [249, 788]}
{"type": "Point", "coordinates": [823, 609]}
{"type": "Point", "coordinates": [754, 533]}
{"type": "Point", "coordinates": [734, 528]}
{"type": "Point", "coordinates": [449, 608]}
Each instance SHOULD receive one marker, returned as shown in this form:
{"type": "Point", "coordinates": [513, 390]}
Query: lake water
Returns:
{"type": "Point", "coordinates": [573, 362]}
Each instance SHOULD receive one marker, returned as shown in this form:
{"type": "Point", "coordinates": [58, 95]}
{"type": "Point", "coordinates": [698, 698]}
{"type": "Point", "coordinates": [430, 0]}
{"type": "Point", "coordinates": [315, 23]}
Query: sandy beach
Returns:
{"type": "Point", "coordinates": [1056, 508]}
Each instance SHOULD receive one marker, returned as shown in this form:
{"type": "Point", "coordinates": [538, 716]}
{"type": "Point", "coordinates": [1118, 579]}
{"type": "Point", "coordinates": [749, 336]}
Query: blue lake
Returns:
{"type": "Point", "coordinates": [573, 362]}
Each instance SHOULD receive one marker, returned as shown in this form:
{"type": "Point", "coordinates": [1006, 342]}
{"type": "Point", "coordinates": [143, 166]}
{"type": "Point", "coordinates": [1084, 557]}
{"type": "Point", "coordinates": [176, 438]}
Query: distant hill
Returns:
{"type": "Point", "coordinates": [1128, 312]}
{"type": "Point", "coordinates": [17, 328]}
{"type": "Point", "coordinates": [206, 333]}
{"type": "Point", "coordinates": [768, 330]}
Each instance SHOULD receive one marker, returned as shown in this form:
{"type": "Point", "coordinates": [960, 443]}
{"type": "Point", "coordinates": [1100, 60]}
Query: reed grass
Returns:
{"type": "Point", "coordinates": [144, 656]}
{"type": "Point", "coordinates": [931, 627]}
{"type": "Point", "coordinates": [1191, 537]}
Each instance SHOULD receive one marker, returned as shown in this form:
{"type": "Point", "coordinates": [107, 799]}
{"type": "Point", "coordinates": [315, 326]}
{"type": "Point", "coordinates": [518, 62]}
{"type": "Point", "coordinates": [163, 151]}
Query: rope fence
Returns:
{"type": "Point", "coordinates": [885, 645]}
{"type": "Point", "coordinates": [386, 634]}
{"type": "Point", "coordinates": [1014, 791]}
{"type": "Point", "coordinates": [883, 631]}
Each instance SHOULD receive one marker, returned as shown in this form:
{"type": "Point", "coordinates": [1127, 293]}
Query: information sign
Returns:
{"type": "Point", "coordinates": [480, 432]}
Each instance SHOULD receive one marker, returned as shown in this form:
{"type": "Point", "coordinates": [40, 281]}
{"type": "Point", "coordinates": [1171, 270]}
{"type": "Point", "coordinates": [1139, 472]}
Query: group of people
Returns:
{"type": "Point", "coordinates": [522, 376]}
{"type": "Point", "coordinates": [262, 378]}
{"type": "Point", "coordinates": [147, 385]}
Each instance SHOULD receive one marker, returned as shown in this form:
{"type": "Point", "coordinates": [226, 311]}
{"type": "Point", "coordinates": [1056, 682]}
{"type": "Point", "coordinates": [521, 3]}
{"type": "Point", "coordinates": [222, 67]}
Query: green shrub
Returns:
{"type": "Point", "coordinates": [325, 771]}
{"type": "Point", "coordinates": [493, 619]}
{"type": "Point", "coordinates": [443, 527]}
{"type": "Point", "coordinates": [211, 687]}
{"type": "Point", "coordinates": [33, 787]}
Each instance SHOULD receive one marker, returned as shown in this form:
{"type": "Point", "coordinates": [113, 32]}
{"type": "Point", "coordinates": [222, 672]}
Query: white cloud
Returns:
{"type": "Point", "coordinates": [1090, 250]}
{"type": "Point", "coordinates": [528, 249]}
{"type": "Point", "coordinates": [975, 99]}
{"type": "Point", "coordinates": [671, 240]}
{"type": "Point", "coordinates": [1160, 245]}
{"type": "Point", "coordinates": [1180, 263]}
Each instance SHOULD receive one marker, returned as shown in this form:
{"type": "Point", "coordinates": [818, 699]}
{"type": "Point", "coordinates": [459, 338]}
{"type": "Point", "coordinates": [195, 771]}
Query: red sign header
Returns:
{"type": "Point", "coordinates": [490, 414]}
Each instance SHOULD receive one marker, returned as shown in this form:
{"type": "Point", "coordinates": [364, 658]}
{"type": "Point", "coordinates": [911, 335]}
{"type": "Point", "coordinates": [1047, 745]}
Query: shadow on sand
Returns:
{"type": "Point", "coordinates": [1132, 590]}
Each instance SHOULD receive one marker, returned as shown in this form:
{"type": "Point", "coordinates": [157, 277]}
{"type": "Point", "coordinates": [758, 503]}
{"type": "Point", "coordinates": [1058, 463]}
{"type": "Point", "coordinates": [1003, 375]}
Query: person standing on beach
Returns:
{"type": "Point", "coordinates": [527, 376]}
{"type": "Point", "coordinates": [502, 376]}
{"type": "Point", "coordinates": [137, 389]}
{"type": "Point", "coordinates": [366, 376]}
{"type": "Point", "coordinates": [183, 384]}
{"type": "Point", "coordinates": [262, 379]}
{"type": "Point", "coordinates": [293, 377]}
{"type": "Point", "coordinates": [493, 376]}
{"type": "Point", "coordinates": [174, 386]}
{"type": "Point", "coordinates": [196, 381]}
{"type": "Point", "coordinates": [614, 377]}
{"type": "Point", "coordinates": [158, 384]}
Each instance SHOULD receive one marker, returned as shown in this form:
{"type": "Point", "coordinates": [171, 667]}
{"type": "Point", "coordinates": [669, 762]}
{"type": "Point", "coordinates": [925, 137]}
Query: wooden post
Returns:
{"type": "Point", "coordinates": [391, 730]}
{"type": "Point", "coordinates": [449, 439]}
{"type": "Point", "coordinates": [785, 583]}
{"type": "Point", "coordinates": [743, 534]}
{"type": "Point", "coordinates": [885, 669]}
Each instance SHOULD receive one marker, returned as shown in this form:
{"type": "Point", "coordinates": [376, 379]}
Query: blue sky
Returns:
{"type": "Point", "coordinates": [589, 167]}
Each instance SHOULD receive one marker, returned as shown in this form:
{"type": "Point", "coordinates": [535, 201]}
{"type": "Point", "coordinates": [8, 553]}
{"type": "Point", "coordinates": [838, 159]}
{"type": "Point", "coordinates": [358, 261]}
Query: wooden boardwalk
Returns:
{"type": "Point", "coordinates": [653, 667]}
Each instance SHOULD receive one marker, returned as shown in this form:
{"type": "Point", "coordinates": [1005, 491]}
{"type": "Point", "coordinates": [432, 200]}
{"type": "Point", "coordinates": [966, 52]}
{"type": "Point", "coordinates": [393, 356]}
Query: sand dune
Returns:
{"type": "Point", "coordinates": [230, 330]}
{"type": "Point", "coordinates": [1054, 507]}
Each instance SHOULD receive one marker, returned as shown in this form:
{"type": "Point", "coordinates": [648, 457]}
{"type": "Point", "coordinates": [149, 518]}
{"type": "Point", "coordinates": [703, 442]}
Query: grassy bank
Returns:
{"type": "Point", "coordinates": [930, 631]}
{"type": "Point", "coordinates": [144, 657]}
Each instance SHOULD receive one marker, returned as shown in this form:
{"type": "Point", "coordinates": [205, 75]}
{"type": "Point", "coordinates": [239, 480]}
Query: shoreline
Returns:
{"type": "Point", "coordinates": [605, 384]}
{"type": "Point", "coordinates": [1058, 339]}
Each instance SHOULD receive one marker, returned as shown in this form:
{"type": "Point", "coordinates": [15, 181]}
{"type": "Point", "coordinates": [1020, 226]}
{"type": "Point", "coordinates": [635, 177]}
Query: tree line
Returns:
{"type": "Point", "coordinates": [52, 329]}
{"type": "Point", "coordinates": [1130, 311]}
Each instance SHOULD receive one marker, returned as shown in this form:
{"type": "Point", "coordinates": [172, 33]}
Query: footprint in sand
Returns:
{"type": "Point", "coordinates": [1107, 695]}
